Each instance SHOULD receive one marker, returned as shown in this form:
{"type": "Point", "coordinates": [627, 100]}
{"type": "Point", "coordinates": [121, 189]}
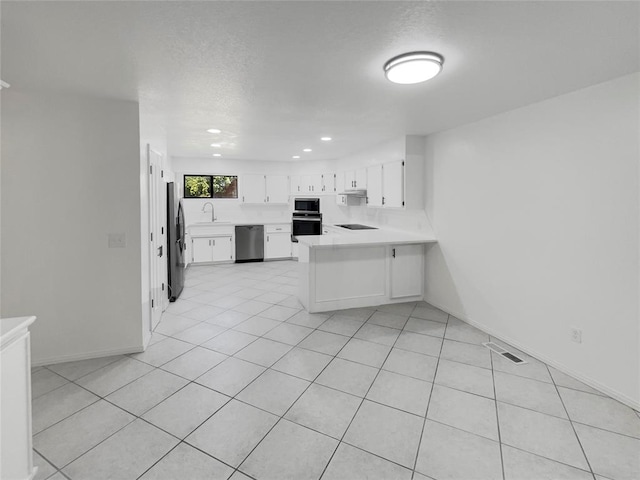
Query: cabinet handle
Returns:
{"type": "Point", "coordinates": [394, 253]}
{"type": "Point", "coordinates": [267, 198]}
{"type": "Point", "coordinates": [214, 243]}
{"type": "Point", "coordinates": [383, 200]}
{"type": "Point", "coordinates": [243, 199]}
{"type": "Point", "coordinates": [267, 238]}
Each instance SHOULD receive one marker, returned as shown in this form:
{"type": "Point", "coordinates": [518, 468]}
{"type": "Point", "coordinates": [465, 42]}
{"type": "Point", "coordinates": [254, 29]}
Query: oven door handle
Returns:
{"type": "Point", "coordinates": [307, 220]}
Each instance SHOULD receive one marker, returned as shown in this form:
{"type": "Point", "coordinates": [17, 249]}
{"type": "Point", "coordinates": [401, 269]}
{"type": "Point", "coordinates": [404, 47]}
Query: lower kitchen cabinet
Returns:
{"type": "Point", "coordinates": [277, 241]}
{"type": "Point", "coordinates": [406, 271]}
{"type": "Point", "coordinates": [211, 249]}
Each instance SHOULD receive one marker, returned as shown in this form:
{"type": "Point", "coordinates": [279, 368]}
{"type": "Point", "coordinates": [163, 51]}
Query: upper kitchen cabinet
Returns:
{"type": "Point", "coordinates": [269, 189]}
{"type": "Point", "coordinates": [277, 189]}
{"type": "Point", "coordinates": [355, 179]}
{"type": "Point", "coordinates": [385, 185]}
{"type": "Point", "coordinates": [253, 188]}
{"type": "Point", "coordinates": [312, 184]}
{"type": "Point", "coordinates": [296, 186]}
{"type": "Point", "coordinates": [328, 183]}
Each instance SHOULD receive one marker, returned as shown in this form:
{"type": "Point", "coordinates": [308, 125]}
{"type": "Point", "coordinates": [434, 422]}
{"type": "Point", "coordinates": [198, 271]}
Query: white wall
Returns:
{"type": "Point", "coordinates": [536, 214]}
{"type": "Point", "coordinates": [70, 176]}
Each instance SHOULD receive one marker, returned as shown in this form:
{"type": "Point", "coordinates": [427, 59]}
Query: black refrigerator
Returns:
{"type": "Point", "coordinates": [175, 243]}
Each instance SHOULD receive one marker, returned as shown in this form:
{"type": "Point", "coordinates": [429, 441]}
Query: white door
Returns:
{"type": "Point", "coordinates": [278, 245]}
{"type": "Point", "coordinates": [296, 185]}
{"type": "Point", "coordinates": [407, 271]}
{"type": "Point", "coordinates": [157, 243]}
{"type": "Point", "coordinates": [315, 183]}
{"type": "Point", "coordinates": [201, 250]}
{"type": "Point", "coordinates": [374, 186]}
{"type": "Point", "coordinates": [393, 184]}
{"type": "Point", "coordinates": [221, 249]}
{"type": "Point", "coordinates": [328, 183]}
{"type": "Point", "coordinates": [361, 178]}
{"type": "Point", "coordinates": [277, 189]}
{"type": "Point", "coordinates": [253, 188]}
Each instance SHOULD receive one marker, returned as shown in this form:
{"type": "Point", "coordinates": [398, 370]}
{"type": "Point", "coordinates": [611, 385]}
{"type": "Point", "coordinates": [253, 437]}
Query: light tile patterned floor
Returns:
{"type": "Point", "coordinates": [239, 382]}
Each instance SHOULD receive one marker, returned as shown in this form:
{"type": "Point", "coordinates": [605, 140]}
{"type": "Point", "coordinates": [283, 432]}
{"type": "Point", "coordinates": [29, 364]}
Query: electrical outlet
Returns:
{"type": "Point", "coordinates": [576, 335]}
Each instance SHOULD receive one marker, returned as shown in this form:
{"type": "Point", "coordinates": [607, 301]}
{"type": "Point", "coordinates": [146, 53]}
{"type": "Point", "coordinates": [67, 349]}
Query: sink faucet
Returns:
{"type": "Point", "coordinates": [213, 218]}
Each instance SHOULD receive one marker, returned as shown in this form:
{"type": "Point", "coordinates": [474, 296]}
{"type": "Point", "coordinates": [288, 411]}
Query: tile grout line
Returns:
{"type": "Point", "coordinates": [361, 402]}
{"type": "Point", "coordinates": [426, 413]}
{"type": "Point", "coordinates": [495, 403]}
{"type": "Point", "coordinates": [298, 398]}
{"type": "Point", "coordinates": [571, 423]}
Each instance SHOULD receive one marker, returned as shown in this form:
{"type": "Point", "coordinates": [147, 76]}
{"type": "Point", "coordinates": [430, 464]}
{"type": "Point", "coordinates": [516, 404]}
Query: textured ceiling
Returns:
{"type": "Point", "coordinates": [275, 76]}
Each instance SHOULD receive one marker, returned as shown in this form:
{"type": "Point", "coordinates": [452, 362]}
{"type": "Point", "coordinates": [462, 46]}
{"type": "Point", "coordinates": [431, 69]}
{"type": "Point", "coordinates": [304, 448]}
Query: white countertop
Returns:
{"type": "Point", "coordinates": [337, 236]}
{"type": "Point", "coordinates": [233, 224]}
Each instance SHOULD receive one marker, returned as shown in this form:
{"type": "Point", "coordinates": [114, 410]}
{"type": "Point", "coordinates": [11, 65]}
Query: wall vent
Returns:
{"type": "Point", "coordinates": [494, 347]}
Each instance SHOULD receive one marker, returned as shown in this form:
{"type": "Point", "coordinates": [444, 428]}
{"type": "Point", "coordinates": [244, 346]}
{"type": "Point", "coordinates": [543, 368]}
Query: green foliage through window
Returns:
{"type": "Point", "coordinates": [210, 186]}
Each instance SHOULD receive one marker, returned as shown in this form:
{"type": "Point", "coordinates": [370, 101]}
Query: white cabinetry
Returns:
{"type": "Point", "coordinates": [385, 185]}
{"type": "Point", "coordinates": [355, 179]}
{"type": "Point", "coordinates": [253, 188]}
{"type": "Point", "coordinates": [15, 409]}
{"type": "Point", "coordinates": [407, 272]}
{"type": "Point", "coordinates": [296, 186]}
{"type": "Point", "coordinates": [393, 184]}
{"type": "Point", "coordinates": [211, 249]}
{"type": "Point", "coordinates": [277, 242]}
{"type": "Point", "coordinates": [311, 184]}
{"type": "Point", "coordinates": [277, 188]}
{"type": "Point", "coordinates": [374, 186]}
{"type": "Point", "coordinates": [212, 244]}
{"type": "Point", "coordinates": [328, 183]}
{"type": "Point", "coordinates": [272, 189]}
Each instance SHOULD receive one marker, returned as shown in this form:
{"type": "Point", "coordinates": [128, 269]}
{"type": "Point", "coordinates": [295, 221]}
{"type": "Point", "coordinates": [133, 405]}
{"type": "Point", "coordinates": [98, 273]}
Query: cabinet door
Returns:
{"type": "Point", "coordinates": [340, 182]}
{"type": "Point", "coordinates": [296, 184]}
{"type": "Point", "coordinates": [201, 250]}
{"type": "Point", "coordinates": [407, 271]}
{"type": "Point", "coordinates": [277, 189]}
{"type": "Point", "coordinates": [221, 249]}
{"type": "Point", "coordinates": [360, 177]}
{"type": "Point", "coordinates": [315, 181]}
{"type": "Point", "coordinates": [393, 184]}
{"type": "Point", "coordinates": [277, 245]}
{"type": "Point", "coordinates": [253, 188]}
{"type": "Point", "coordinates": [328, 183]}
{"type": "Point", "coordinates": [374, 186]}
{"type": "Point", "coordinates": [350, 180]}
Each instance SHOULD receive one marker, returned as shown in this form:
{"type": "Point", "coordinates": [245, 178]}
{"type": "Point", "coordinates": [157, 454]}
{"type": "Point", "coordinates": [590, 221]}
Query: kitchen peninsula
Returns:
{"type": "Point", "coordinates": [348, 269]}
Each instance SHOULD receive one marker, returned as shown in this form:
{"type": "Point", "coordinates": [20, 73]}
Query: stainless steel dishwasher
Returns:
{"type": "Point", "coordinates": [249, 243]}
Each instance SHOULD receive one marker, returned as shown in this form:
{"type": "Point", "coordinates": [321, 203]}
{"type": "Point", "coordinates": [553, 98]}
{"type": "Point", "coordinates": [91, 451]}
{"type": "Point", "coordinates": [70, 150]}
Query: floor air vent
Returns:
{"type": "Point", "coordinates": [505, 353]}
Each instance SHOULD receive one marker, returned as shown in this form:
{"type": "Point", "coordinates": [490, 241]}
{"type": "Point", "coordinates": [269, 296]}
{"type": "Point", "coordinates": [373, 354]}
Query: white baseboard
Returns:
{"type": "Point", "coordinates": [85, 356]}
{"type": "Point", "coordinates": [631, 402]}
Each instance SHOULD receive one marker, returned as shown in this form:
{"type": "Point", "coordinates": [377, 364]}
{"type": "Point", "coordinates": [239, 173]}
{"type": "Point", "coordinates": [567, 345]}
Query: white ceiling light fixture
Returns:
{"type": "Point", "coordinates": [325, 139]}
{"type": "Point", "coordinates": [413, 67]}
{"type": "Point", "coordinates": [214, 130]}
{"type": "Point", "coordinates": [307, 150]}
{"type": "Point", "coordinates": [4, 85]}
{"type": "Point", "coordinates": [217, 154]}
{"type": "Point", "coordinates": [216, 145]}
{"type": "Point", "coordinates": [296, 156]}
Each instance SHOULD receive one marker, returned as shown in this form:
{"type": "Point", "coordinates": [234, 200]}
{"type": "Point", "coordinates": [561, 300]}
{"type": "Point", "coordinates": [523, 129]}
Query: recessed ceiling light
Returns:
{"type": "Point", "coordinates": [413, 67]}
{"type": "Point", "coordinates": [306, 150]}
{"type": "Point", "coordinates": [4, 85]}
{"type": "Point", "coordinates": [214, 130]}
{"type": "Point", "coordinates": [296, 156]}
{"type": "Point", "coordinates": [217, 145]}
{"type": "Point", "coordinates": [217, 154]}
{"type": "Point", "coordinates": [325, 139]}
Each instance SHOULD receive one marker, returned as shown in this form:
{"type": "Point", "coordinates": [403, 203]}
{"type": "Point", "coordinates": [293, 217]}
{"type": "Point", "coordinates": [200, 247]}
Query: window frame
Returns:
{"type": "Point", "coordinates": [212, 193]}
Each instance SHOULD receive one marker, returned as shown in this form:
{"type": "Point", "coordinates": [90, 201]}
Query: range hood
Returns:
{"type": "Point", "coordinates": [354, 193]}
